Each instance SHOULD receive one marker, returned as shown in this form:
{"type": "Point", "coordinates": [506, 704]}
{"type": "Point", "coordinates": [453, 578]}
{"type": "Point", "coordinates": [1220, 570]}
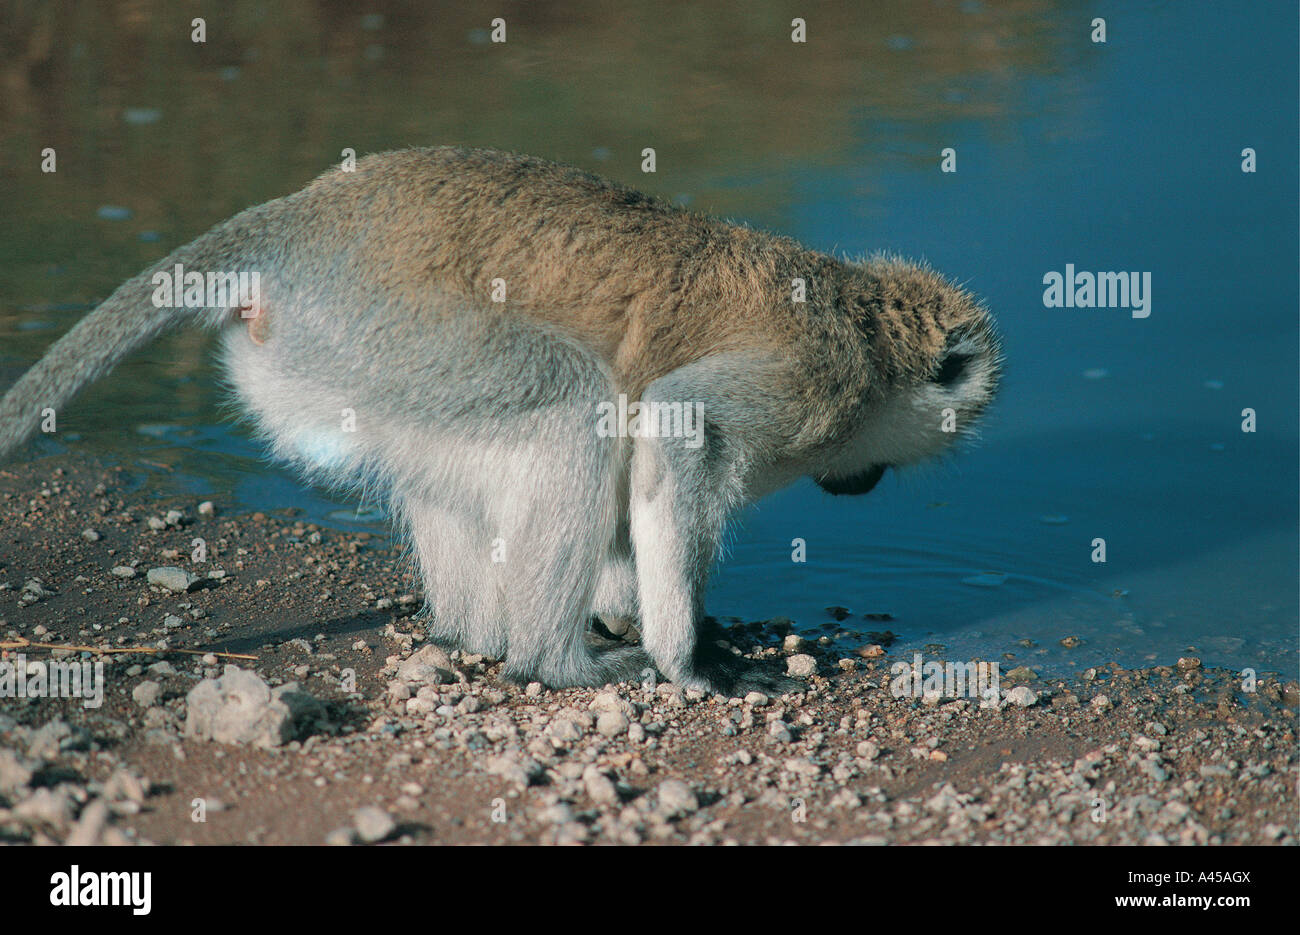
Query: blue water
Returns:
{"type": "Point", "coordinates": [1108, 426]}
{"type": "Point", "coordinates": [1117, 156]}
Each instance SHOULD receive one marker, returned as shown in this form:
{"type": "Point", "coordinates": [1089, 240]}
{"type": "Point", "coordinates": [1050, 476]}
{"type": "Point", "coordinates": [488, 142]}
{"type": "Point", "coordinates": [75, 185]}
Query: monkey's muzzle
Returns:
{"type": "Point", "coordinates": [855, 483]}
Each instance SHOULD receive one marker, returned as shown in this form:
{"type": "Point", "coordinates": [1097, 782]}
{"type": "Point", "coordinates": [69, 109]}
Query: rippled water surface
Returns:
{"type": "Point", "coordinates": [1122, 156]}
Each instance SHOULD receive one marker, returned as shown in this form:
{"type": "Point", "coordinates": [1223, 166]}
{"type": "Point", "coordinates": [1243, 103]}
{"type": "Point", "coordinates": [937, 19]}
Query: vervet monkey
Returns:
{"type": "Point", "coordinates": [449, 326]}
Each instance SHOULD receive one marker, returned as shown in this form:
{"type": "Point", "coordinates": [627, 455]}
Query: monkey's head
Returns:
{"type": "Point", "coordinates": [936, 361]}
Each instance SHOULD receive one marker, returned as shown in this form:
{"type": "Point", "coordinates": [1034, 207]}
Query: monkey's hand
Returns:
{"type": "Point", "coordinates": [719, 670]}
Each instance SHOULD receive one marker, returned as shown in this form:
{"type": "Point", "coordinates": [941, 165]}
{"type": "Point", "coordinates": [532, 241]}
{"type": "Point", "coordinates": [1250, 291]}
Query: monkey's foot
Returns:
{"type": "Point", "coordinates": [616, 627]}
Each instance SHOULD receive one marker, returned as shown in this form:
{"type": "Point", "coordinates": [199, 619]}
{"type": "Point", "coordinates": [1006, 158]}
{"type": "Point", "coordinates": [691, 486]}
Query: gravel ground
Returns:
{"type": "Point", "coordinates": [347, 728]}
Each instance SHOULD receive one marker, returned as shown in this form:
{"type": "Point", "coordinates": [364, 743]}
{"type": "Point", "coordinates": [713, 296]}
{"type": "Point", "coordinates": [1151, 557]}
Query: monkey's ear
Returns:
{"type": "Point", "coordinates": [952, 367]}
{"type": "Point", "coordinates": [962, 347]}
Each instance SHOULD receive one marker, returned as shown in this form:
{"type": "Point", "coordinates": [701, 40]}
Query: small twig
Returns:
{"type": "Point", "coordinates": [24, 643]}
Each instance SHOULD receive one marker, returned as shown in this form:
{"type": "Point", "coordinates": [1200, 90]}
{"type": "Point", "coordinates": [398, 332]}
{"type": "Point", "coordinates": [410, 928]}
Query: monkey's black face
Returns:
{"type": "Point", "coordinates": [854, 484]}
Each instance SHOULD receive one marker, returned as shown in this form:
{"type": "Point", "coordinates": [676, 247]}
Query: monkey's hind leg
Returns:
{"type": "Point", "coordinates": [615, 602]}
{"type": "Point", "coordinates": [512, 516]}
{"type": "Point", "coordinates": [556, 513]}
{"type": "Point", "coordinates": [462, 607]}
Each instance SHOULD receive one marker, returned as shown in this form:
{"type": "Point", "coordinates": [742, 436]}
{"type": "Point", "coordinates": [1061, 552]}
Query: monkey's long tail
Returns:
{"type": "Point", "coordinates": [125, 321]}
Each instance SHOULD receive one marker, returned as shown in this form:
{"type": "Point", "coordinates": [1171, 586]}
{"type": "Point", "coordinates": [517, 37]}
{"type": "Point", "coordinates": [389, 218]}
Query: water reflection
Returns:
{"type": "Point", "coordinates": [1067, 152]}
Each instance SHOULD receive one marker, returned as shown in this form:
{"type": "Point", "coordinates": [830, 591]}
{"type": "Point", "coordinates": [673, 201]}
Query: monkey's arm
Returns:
{"type": "Point", "coordinates": [682, 491]}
